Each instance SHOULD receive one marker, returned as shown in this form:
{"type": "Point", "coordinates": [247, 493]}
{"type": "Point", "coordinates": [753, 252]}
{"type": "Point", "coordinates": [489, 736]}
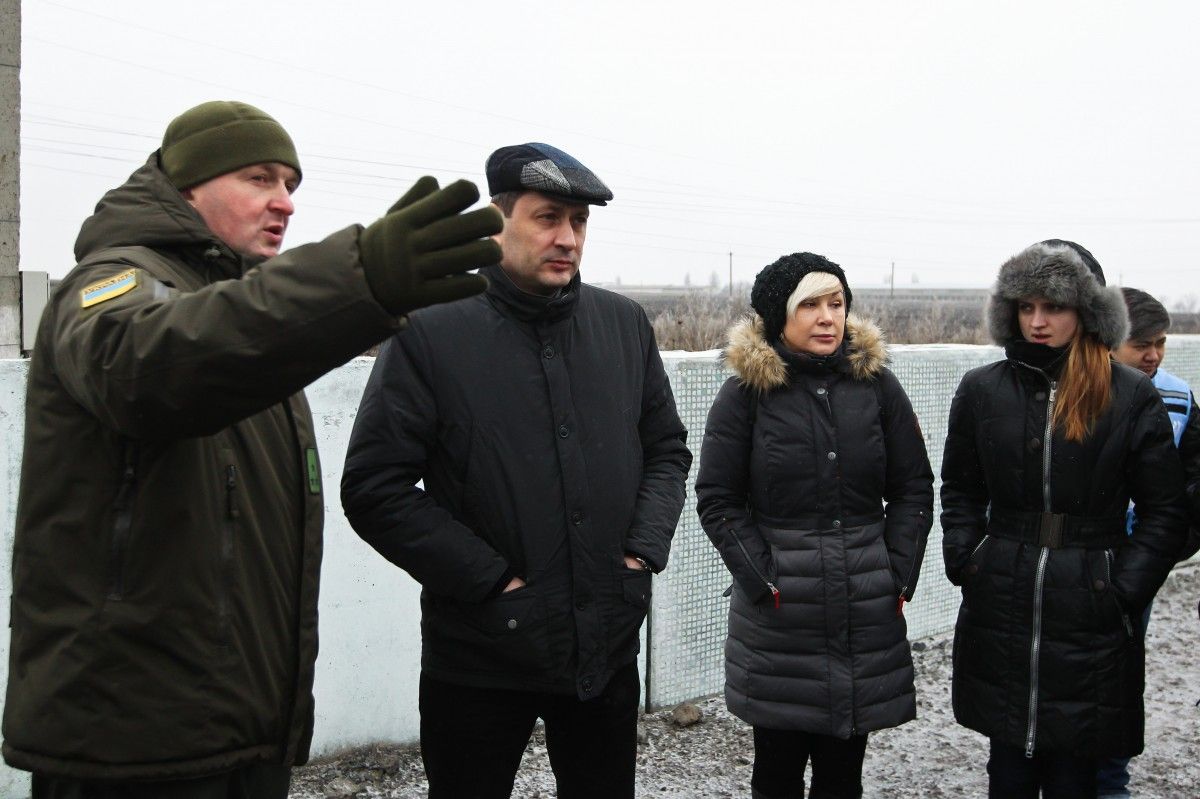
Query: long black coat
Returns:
{"type": "Point", "coordinates": [1046, 655]}
{"type": "Point", "coordinates": [549, 445]}
{"type": "Point", "coordinates": [794, 500]}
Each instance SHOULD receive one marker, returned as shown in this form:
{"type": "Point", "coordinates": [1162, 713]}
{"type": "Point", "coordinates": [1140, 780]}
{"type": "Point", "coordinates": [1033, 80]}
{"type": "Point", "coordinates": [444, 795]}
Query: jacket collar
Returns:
{"type": "Point", "coordinates": [761, 365]}
{"type": "Point", "coordinates": [147, 211]}
{"type": "Point", "coordinates": [510, 299]}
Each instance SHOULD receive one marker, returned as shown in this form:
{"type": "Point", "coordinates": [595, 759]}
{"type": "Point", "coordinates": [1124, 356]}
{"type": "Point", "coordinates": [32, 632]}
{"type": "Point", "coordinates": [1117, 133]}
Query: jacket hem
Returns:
{"type": "Point", "coordinates": [139, 772]}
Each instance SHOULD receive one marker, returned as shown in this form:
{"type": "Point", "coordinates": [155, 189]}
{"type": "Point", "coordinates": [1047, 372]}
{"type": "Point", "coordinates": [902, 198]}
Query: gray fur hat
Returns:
{"type": "Point", "coordinates": [1062, 272]}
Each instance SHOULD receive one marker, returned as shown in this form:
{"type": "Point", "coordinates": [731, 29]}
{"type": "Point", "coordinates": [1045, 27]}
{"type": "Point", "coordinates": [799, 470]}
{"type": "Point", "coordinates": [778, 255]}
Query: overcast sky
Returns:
{"type": "Point", "coordinates": [941, 136]}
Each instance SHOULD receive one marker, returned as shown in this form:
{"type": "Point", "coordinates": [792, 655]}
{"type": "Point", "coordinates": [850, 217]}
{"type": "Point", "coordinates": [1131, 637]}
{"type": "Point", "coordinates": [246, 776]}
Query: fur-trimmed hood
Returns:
{"type": "Point", "coordinates": [757, 364]}
{"type": "Point", "coordinates": [1059, 273]}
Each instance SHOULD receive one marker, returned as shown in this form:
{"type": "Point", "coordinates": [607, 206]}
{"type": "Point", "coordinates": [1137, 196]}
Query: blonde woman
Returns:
{"type": "Point", "coordinates": [815, 487]}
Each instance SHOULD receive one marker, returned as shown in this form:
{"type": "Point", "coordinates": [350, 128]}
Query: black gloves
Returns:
{"type": "Point", "coordinates": [416, 254]}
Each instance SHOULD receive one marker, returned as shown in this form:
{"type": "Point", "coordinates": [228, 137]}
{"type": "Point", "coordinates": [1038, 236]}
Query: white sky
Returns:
{"type": "Point", "coordinates": [943, 136]}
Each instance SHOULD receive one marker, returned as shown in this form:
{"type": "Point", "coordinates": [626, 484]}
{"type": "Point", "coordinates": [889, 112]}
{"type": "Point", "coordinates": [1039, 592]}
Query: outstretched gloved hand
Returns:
{"type": "Point", "coordinates": [416, 254]}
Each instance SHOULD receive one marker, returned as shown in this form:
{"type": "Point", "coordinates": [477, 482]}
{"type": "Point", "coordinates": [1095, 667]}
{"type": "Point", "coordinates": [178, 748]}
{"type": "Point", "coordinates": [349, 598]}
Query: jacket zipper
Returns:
{"type": "Point", "coordinates": [979, 546]}
{"type": "Point", "coordinates": [232, 512]}
{"type": "Point", "coordinates": [1035, 645]}
{"type": "Point", "coordinates": [737, 539]}
{"type": "Point", "coordinates": [1108, 559]}
{"type": "Point", "coordinates": [122, 523]}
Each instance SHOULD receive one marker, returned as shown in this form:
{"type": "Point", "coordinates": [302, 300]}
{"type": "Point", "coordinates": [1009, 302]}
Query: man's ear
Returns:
{"type": "Point", "coordinates": [187, 195]}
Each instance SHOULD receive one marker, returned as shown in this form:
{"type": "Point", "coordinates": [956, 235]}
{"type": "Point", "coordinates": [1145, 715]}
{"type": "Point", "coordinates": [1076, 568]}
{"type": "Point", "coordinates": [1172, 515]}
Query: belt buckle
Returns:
{"type": "Point", "coordinates": [1050, 531]}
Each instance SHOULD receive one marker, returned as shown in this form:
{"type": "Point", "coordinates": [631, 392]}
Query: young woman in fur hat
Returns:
{"type": "Point", "coordinates": [815, 487]}
{"type": "Point", "coordinates": [1044, 451]}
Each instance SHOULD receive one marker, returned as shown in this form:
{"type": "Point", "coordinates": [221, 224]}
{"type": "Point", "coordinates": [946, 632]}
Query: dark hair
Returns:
{"type": "Point", "coordinates": [1147, 316]}
{"type": "Point", "coordinates": [506, 201]}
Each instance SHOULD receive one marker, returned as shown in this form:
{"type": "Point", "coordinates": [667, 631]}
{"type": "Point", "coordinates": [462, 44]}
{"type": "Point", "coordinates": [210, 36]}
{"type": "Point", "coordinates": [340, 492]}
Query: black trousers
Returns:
{"type": "Point", "coordinates": [251, 782]}
{"type": "Point", "coordinates": [1057, 775]}
{"type": "Point", "coordinates": [472, 739]}
{"type": "Point", "coordinates": [780, 757]}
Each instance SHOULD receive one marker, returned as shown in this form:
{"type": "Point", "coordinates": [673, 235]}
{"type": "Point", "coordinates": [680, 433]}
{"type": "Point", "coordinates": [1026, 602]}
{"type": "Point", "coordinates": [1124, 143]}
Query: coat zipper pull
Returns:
{"type": "Point", "coordinates": [774, 593]}
{"type": "Point", "coordinates": [900, 602]}
{"type": "Point", "coordinates": [230, 491]}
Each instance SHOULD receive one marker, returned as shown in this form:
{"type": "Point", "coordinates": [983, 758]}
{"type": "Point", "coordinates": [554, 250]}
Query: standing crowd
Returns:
{"type": "Point", "coordinates": [518, 452]}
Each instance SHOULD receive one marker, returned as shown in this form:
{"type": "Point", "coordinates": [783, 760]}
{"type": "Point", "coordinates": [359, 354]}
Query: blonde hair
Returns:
{"type": "Point", "coordinates": [814, 284]}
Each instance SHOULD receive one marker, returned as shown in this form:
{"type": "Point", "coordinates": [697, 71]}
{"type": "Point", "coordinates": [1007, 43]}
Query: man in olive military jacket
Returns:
{"type": "Point", "coordinates": [168, 537]}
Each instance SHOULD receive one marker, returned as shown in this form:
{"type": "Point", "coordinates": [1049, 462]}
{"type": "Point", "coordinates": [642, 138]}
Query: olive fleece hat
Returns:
{"type": "Point", "coordinates": [776, 282]}
{"type": "Point", "coordinates": [220, 136]}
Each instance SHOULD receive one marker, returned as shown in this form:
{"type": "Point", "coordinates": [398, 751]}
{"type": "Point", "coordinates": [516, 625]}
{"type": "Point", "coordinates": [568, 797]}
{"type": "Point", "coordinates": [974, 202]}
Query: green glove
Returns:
{"type": "Point", "coordinates": [416, 255]}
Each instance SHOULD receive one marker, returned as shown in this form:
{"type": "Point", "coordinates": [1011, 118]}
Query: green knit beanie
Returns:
{"type": "Point", "coordinates": [220, 136]}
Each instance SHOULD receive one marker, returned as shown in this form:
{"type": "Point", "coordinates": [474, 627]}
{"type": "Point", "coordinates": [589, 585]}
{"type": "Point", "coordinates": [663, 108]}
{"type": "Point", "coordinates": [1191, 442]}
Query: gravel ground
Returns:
{"type": "Point", "coordinates": [930, 757]}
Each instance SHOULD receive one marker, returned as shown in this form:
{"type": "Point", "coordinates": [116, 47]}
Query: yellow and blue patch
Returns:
{"type": "Point", "coordinates": [109, 288]}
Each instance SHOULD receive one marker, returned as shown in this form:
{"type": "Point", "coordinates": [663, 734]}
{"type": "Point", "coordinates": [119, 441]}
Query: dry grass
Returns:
{"type": "Point", "coordinates": [699, 322]}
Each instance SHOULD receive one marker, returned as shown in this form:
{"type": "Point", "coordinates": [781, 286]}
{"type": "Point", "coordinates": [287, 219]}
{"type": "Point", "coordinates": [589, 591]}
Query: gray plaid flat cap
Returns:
{"type": "Point", "coordinates": [540, 167]}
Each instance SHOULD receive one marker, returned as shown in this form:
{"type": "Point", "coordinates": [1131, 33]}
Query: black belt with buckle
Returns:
{"type": "Point", "coordinates": [1057, 530]}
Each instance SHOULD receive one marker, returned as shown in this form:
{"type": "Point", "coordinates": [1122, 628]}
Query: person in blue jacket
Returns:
{"type": "Point", "coordinates": [1144, 351]}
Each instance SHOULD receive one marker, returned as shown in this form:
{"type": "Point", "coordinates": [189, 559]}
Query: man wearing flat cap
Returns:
{"type": "Point", "coordinates": [540, 419]}
{"type": "Point", "coordinates": [168, 535]}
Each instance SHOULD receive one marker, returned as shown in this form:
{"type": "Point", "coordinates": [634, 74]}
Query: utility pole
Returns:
{"type": "Point", "coordinates": [731, 274]}
{"type": "Point", "coordinates": [10, 178]}
{"type": "Point", "coordinates": [893, 292]}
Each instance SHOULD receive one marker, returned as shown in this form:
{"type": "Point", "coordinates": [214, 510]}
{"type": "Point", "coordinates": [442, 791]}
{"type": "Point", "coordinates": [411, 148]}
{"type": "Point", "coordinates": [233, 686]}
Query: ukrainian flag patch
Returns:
{"type": "Point", "coordinates": [108, 288]}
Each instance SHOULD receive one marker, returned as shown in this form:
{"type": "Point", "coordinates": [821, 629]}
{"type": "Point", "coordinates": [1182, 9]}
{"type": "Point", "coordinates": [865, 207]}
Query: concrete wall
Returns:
{"type": "Point", "coordinates": [10, 176]}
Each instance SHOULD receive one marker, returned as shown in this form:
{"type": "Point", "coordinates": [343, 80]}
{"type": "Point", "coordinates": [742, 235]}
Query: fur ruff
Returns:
{"type": "Point", "coordinates": [1059, 274]}
{"type": "Point", "coordinates": [758, 365]}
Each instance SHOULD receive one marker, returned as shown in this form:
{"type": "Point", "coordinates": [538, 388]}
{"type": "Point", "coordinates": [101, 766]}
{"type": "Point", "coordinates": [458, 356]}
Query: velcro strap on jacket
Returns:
{"type": "Point", "coordinates": [1057, 530]}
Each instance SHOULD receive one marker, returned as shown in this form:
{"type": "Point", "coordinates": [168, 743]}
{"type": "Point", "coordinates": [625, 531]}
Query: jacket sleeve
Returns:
{"type": "Point", "coordinates": [393, 440]}
{"type": "Point", "coordinates": [964, 488]}
{"type": "Point", "coordinates": [665, 462]}
{"type": "Point", "coordinates": [723, 492]}
{"type": "Point", "coordinates": [1155, 478]}
{"type": "Point", "coordinates": [908, 492]}
{"type": "Point", "coordinates": [157, 363]}
{"type": "Point", "coordinates": [1189, 453]}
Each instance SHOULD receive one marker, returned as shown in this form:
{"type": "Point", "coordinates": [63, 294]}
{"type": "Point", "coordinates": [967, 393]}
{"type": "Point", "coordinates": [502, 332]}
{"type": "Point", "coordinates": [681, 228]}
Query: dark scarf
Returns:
{"type": "Point", "coordinates": [1050, 360]}
{"type": "Point", "coordinates": [805, 362]}
{"type": "Point", "coordinates": [510, 299]}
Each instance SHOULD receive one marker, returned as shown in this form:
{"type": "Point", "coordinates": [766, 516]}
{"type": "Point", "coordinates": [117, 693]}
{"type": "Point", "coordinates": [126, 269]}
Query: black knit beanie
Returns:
{"type": "Point", "coordinates": [775, 283]}
{"type": "Point", "coordinates": [220, 136]}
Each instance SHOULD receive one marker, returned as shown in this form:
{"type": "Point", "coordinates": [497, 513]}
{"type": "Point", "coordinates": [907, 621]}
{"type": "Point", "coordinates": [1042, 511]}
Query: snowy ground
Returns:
{"type": "Point", "coordinates": [930, 757]}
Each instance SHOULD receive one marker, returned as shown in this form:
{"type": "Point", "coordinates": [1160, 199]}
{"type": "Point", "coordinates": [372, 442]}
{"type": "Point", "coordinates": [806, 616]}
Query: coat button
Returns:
{"type": "Point", "coordinates": [580, 605]}
{"type": "Point", "coordinates": [586, 685]}
{"type": "Point", "coordinates": [1040, 396]}
{"type": "Point", "coordinates": [512, 624]}
{"type": "Point", "coordinates": [821, 390]}
{"type": "Point", "coordinates": [837, 524]}
{"type": "Point", "coordinates": [1099, 585]}
{"type": "Point", "coordinates": [972, 569]}
{"type": "Point", "coordinates": [832, 456]}
{"type": "Point", "coordinates": [576, 518]}
{"type": "Point", "coordinates": [1035, 444]}
{"type": "Point", "coordinates": [563, 432]}
{"type": "Point", "coordinates": [547, 352]}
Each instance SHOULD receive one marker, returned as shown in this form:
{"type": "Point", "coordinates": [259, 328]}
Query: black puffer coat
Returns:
{"type": "Point", "coordinates": [1046, 655]}
{"type": "Point", "coordinates": [794, 499]}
